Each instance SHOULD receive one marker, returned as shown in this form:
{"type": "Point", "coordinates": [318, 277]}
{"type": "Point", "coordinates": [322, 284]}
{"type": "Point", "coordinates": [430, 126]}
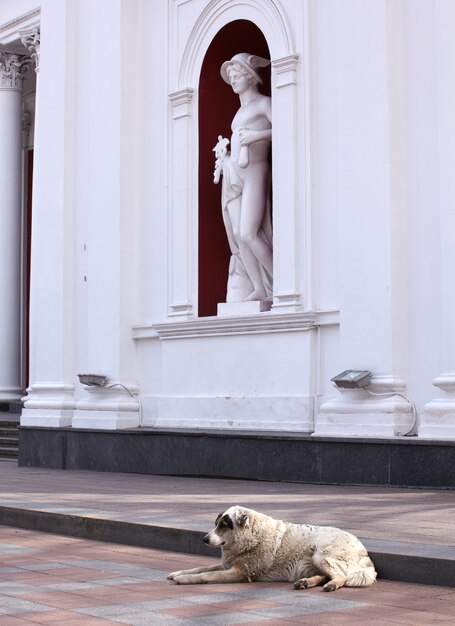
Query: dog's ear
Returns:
{"type": "Point", "coordinates": [218, 518]}
{"type": "Point", "coordinates": [241, 518]}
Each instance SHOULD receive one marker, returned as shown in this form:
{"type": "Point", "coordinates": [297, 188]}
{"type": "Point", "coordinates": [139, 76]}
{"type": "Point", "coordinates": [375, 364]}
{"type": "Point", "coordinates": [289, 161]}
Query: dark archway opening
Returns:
{"type": "Point", "coordinates": [217, 106]}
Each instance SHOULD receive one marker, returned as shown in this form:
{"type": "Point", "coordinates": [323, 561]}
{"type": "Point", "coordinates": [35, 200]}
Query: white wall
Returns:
{"type": "Point", "coordinates": [362, 215]}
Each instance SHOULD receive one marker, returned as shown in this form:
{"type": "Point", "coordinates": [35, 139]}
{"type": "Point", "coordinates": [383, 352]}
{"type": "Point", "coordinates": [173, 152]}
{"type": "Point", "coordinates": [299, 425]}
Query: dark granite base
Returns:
{"type": "Point", "coordinates": [400, 462]}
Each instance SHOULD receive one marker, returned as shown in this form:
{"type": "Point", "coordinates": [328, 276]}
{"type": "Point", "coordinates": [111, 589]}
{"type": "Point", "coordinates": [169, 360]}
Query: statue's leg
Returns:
{"type": "Point", "coordinates": [254, 205]}
{"type": "Point", "coordinates": [250, 263]}
{"type": "Point", "coordinates": [231, 218]}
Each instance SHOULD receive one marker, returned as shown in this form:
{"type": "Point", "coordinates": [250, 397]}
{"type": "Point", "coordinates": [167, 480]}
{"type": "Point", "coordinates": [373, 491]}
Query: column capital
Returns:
{"type": "Point", "coordinates": [12, 69]}
{"type": "Point", "coordinates": [31, 40]}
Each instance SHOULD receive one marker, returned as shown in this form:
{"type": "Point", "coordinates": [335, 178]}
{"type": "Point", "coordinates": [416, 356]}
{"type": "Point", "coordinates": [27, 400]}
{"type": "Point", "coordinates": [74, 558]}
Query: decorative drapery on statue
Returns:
{"type": "Point", "coordinates": [246, 184]}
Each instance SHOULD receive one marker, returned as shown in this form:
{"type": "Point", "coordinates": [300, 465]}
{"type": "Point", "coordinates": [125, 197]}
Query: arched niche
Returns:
{"type": "Point", "coordinates": [217, 107]}
{"type": "Point", "coordinates": [267, 22]}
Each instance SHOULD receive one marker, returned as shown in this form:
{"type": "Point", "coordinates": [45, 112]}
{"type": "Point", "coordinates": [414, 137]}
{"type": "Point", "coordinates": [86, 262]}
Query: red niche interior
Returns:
{"type": "Point", "coordinates": [217, 106]}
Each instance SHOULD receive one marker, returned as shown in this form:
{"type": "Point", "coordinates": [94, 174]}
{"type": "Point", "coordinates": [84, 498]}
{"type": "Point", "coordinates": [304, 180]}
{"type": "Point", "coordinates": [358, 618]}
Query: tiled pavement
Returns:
{"type": "Point", "coordinates": [417, 516]}
{"type": "Point", "coordinates": [53, 580]}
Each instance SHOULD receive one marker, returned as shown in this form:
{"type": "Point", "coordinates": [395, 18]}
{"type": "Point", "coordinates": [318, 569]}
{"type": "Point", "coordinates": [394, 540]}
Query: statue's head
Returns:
{"type": "Point", "coordinates": [246, 64]}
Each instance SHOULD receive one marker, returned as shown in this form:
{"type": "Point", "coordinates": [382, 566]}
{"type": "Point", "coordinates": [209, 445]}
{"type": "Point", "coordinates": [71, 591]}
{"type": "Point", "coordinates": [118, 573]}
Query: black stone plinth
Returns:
{"type": "Point", "coordinates": [398, 462]}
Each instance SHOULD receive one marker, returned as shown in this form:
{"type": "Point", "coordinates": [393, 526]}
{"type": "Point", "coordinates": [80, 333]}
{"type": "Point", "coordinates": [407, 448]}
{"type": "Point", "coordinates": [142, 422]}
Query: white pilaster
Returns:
{"type": "Point", "coordinates": [372, 221]}
{"type": "Point", "coordinates": [105, 199]}
{"type": "Point", "coordinates": [181, 210]}
{"type": "Point", "coordinates": [12, 68]}
{"type": "Point", "coordinates": [286, 173]}
{"type": "Point", "coordinates": [438, 420]}
{"type": "Point", "coordinates": [50, 397]}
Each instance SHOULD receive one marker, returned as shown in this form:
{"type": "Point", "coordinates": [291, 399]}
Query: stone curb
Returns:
{"type": "Point", "coordinates": [404, 562]}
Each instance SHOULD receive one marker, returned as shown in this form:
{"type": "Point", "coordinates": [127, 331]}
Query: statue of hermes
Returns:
{"type": "Point", "coordinates": [246, 185]}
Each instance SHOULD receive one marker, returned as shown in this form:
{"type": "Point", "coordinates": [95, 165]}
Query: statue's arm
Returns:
{"type": "Point", "coordinates": [247, 136]}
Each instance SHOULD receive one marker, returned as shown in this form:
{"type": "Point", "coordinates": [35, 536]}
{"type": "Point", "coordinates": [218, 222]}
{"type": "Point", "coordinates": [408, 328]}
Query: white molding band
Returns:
{"type": "Point", "coordinates": [240, 325]}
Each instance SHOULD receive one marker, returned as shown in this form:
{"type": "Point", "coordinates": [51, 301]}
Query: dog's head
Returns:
{"type": "Point", "coordinates": [228, 527]}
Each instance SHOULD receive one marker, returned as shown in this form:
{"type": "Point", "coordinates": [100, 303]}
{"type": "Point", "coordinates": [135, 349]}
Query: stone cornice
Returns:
{"type": "Point", "coordinates": [241, 325]}
{"type": "Point", "coordinates": [9, 31]}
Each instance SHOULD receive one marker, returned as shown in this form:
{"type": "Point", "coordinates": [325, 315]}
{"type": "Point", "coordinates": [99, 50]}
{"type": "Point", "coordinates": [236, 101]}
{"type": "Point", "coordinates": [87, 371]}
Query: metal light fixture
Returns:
{"type": "Point", "coordinates": [92, 380]}
{"type": "Point", "coordinates": [352, 379]}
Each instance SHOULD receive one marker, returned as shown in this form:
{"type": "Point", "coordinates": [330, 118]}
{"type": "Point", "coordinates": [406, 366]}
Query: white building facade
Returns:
{"type": "Point", "coordinates": [108, 97]}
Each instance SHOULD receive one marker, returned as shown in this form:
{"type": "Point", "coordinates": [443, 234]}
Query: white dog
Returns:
{"type": "Point", "coordinates": [256, 547]}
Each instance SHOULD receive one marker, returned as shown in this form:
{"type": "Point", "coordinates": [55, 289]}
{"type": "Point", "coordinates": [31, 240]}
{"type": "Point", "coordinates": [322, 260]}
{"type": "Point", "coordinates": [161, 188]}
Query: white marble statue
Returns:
{"type": "Point", "coordinates": [246, 185]}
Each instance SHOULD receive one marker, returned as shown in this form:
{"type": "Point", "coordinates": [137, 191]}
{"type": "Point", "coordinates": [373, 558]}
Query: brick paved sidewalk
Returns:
{"type": "Point", "coordinates": [399, 515]}
{"type": "Point", "coordinates": [52, 580]}
{"type": "Point", "coordinates": [409, 533]}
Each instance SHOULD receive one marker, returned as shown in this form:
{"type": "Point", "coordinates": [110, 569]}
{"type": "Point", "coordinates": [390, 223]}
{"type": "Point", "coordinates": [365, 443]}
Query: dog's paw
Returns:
{"type": "Point", "coordinates": [181, 580]}
{"type": "Point", "coordinates": [172, 575]}
{"type": "Point", "coordinates": [301, 584]}
{"type": "Point", "coordinates": [330, 586]}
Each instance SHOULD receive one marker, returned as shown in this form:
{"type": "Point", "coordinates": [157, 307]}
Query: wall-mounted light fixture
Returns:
{"type": "Point", "coordinates": [92, 380]}
{"type": "Point", "coordinates": [352, 379]}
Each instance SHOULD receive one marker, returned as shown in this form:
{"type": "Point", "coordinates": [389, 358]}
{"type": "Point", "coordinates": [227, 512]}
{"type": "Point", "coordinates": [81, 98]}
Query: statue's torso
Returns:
{"type": "Point", "coordinates": [253, 117]}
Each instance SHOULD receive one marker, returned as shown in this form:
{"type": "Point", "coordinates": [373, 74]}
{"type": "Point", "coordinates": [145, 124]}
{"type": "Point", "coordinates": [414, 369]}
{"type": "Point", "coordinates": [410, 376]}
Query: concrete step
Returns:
{"type": "Point", "coordinates": [9, 451]}
{"type": "Point", "coordinates": [9, 440]}
{"type": "Point", "coordinates": [9, 436]}
{"type": "Point", "coordinates": [9, 431]}
{"type": "Point", "coordinates": [394, 560]}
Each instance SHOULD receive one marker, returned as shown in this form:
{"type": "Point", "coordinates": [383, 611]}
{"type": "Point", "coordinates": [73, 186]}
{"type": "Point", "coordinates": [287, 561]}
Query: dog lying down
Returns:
{"type": "Point", "coordinates": [258, 548]}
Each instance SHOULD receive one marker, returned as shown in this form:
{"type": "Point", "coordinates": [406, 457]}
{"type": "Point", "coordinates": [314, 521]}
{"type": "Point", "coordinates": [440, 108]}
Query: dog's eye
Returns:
{"type": "Point", "coordinates": [225, 522]}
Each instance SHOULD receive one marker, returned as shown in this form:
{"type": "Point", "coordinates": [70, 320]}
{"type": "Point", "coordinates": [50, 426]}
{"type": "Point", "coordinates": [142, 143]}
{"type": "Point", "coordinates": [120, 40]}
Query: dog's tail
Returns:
{"type": "Point", "coordinates": [361, 577]}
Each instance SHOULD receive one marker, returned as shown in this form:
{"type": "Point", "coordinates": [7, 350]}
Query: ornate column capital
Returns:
{"type": "Point", "coordinates": [31, 40]}
{"type": "Point", "coordinates": [12, 70]}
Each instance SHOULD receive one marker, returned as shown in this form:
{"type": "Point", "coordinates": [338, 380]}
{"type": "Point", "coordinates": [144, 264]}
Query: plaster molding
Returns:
{"type": "Point", "coordinates": [12, 69]}
{"type": "Point", "coordinates": [27, 21]}
{"type": "Point", "coordinates": [285, 71]}
{"type": "Point", "coordinates": [247, 413]}
{"type": "Point", "coordinates": [446, 382]}
{"type": "Point", "coordinates": [113, 407]}
{"type": "Point", "coordinates": [270, 17]}
{"type": "Point", "coordinates": [240, 325]}
{"type": "Point", "coordinates": [181, 103]}
{"type": "Point", "coordinates": [438, 418]}
{"type": "Point", "coordinates": [356, 413]}
{"type": "Point", "coordinates": [181, 309]}
{"type": "Point", "coordinates": [50, 395]}
{"type": "Point", "coordinates": [31, 40]}
{"type": "Point", "coordinates": [48, 404]}
{"type": "Point", "coordinates": [9, 394]}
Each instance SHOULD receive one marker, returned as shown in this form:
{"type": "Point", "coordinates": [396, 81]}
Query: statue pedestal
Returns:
{"type": "Point", "coordinates": [233, 309]}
